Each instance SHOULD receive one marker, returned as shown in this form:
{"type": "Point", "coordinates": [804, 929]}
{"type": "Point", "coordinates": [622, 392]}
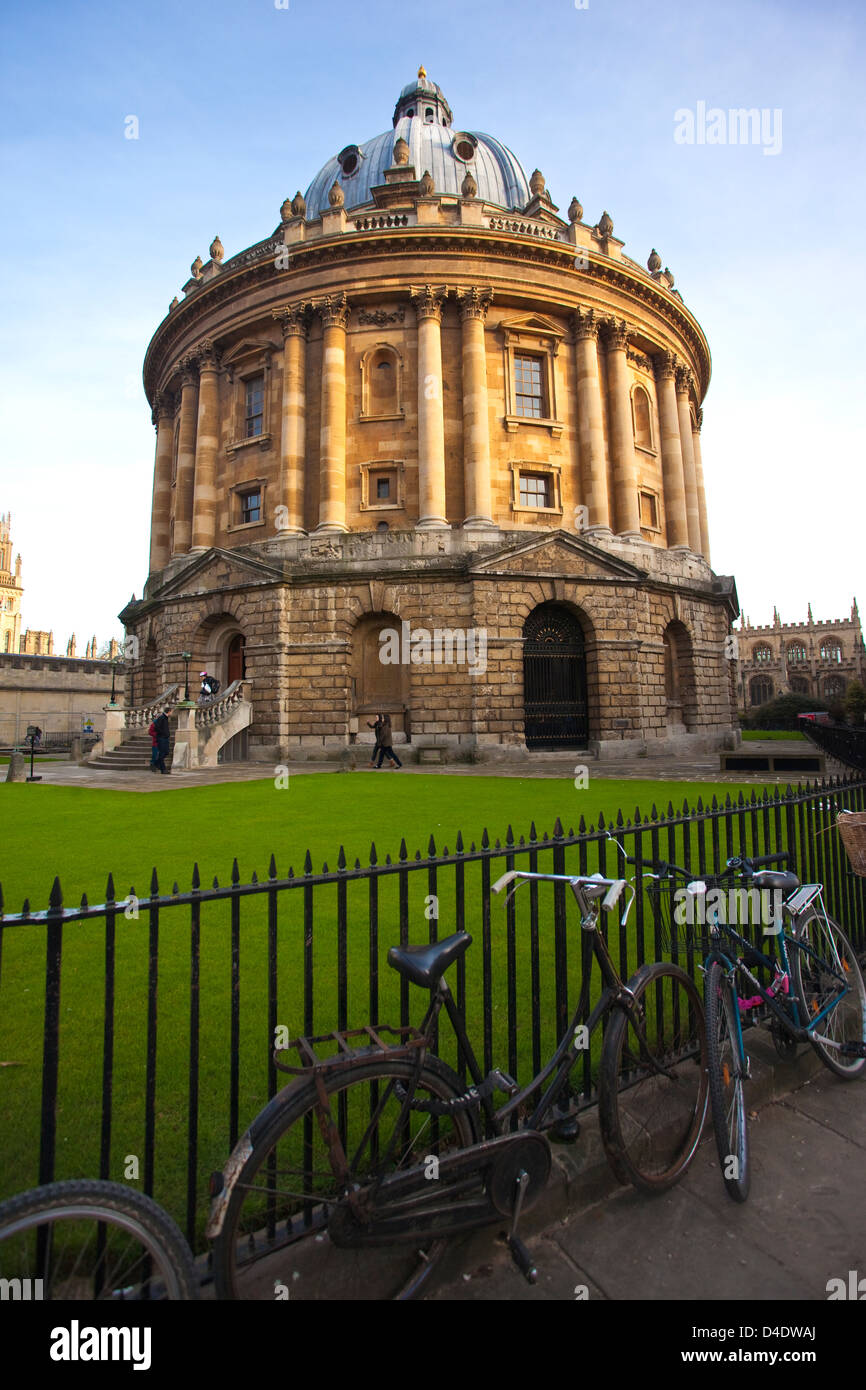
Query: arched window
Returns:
{"type": "Point", "coordinates": [797, 653]}
{"type": "Point", "coordinates": [799, 685]}
{"type": "Point", "coordinates": [642, 419]}
{"type": "Point", "coordinates": [762, 653]}
{"type": "Point", "coordinates": [680, 684]}
{"type": "Point", "coordinates": [833, 687]}
{"type": "Point", "coordinates": [761, 690]}
{"type": "Point", "coordinates": [831, 651]}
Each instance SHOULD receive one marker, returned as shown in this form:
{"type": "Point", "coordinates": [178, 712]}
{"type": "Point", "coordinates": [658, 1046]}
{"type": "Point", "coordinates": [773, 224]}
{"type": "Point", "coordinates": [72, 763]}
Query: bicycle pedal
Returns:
{"type": "Point", "coordinates": [504, 1082]}
{"type": "Point", "coordinates": [522, 1258]}
{"type": "Point", "coordinates": [566, 1130]}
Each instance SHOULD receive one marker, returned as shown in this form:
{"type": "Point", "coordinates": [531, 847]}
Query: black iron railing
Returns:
{"type": "Point", "coordinates": [844, 743]}
{"type": "Point", "coordinates": [158, 1014]}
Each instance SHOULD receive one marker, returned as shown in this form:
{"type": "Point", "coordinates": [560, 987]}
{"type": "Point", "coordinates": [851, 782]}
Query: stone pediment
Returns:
{"type": "Point", "coordinates": [559, 554]}
{"type": "Point", "coordinates": [531, 326]}
{"type": "Point", "coordinates": [218, 569]}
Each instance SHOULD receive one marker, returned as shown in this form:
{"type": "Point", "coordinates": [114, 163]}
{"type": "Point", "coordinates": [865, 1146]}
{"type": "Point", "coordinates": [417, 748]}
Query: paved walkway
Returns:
{"type": "Point", "coordinates": [544, 765]}
{"type": "Point", "coordinates": [804, 1222]}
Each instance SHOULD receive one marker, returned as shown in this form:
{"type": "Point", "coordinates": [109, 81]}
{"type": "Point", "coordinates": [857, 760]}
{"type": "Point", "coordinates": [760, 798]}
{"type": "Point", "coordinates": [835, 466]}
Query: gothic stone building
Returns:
{"type": "Point", "coordinates": [814, 659]}
{"type": "Point", "coordinates": [427, 401]}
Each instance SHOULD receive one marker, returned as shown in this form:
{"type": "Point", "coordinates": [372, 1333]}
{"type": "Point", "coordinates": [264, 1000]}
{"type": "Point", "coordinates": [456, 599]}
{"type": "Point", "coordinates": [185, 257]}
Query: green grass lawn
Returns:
{"type": "Point", "coordinates": [81, 834]}
{"type": "Point", "coordinates": [759, 735]}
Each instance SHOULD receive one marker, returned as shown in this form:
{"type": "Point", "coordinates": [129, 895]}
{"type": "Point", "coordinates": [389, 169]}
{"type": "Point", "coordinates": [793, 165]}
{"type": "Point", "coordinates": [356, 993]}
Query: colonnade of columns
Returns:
{"type": "Point", "coordinates": [611, 496]}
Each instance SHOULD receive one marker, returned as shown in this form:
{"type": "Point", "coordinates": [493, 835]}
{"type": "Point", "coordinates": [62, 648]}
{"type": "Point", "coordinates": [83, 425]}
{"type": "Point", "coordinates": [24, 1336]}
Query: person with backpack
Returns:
{"type": "Point", "coordinates": [209, 687]}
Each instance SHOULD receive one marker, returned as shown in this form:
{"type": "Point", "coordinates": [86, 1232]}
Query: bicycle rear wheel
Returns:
{"type": "Point", "coordinates": [653, 1079]}
{"type": "Point", "coordinates": [727, 1072]}
{"type": "Point", "coordinates": [90, 1241]}
{"type": "Point", "coordinates": [818, 980]}
{"type": "Point", "coordinates": [275, 1239]}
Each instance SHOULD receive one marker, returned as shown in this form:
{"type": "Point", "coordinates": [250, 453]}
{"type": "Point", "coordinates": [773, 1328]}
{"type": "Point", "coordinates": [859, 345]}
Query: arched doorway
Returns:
{"type": "Point", "coordinates": [554, 679]}
{"type": "Point", "coordinates": [235, 661]}
{"type": "Point", "coordinates": [377, 686]}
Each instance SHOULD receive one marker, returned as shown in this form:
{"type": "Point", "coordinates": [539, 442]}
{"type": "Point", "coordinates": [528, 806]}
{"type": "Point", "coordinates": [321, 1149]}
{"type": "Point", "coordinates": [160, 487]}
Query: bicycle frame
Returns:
{"type": "Point", "coordinates": [614, 994]}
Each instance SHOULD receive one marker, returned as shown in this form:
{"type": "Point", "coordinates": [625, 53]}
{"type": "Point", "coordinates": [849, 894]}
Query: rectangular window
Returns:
{"type": "Point", "coordinates": [251, 507]}
{"type": "Point", "coordinates": [383, 489]}
{"type": "Point", "coordinates": [534, 490]}
{"type": "Point", "coordinates": [649, 515]}
{"type": "Point", "coordinates": [255, 406]}
{"type": "Point", "coordinates": [528, 393]}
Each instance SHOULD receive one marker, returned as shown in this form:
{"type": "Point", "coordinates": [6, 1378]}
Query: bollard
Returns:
{"type": "Point", "coordinates": [16, 771]}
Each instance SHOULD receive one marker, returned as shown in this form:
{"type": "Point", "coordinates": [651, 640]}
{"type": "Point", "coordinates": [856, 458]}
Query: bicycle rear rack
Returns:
{"type": "Point", "coordinates": [409, 1040]}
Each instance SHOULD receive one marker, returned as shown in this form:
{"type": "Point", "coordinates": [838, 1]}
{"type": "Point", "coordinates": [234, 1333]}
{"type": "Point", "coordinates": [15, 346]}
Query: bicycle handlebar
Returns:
{"type": "Point", "coordinates": [614, 886]}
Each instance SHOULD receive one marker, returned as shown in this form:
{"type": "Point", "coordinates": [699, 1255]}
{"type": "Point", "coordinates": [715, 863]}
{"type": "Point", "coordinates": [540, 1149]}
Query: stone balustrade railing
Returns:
{"type": "Point", "coordinates": [140, 716]}
{"type": "Point", "coordinates": [215, 711]}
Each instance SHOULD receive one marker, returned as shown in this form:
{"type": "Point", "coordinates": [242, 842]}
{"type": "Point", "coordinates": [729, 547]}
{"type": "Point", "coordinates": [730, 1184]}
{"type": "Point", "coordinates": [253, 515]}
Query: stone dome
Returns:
{"type": "Point", "coordinates": [422, 117]}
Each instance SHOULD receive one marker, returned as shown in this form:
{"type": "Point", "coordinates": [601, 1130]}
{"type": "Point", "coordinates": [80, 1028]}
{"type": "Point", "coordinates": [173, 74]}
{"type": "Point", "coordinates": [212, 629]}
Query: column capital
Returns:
{"type": "Point", "coordinates": [585, 324]}
{"type": "Point", "coordinates": [475, 302]}
{"type": "Point", "coordinates": [294, 319]}
{"type": "Point", "coordinates": [208, 355]}
{"type": "Point", "coordinates": [616, 332]}
{"type": "Point", "coordinates": [188, 367]}
{"type": "Point", "coordinates": [334, 309]}
{"type": "Point", "coordinates": [666, 364]}
{"type": "Point", "coordinates": [163, 407]}
{"type": "Point", "coordinates": [685, 380]}
{"type": "Point", "coordinates": [428, 300]}
{"type": "Point", "coordinates": [699, 419]}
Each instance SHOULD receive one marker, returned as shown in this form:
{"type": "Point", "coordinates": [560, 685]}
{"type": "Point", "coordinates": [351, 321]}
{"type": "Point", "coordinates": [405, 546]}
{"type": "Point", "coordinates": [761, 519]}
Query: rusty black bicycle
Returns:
{"type": "Point", "coordinates": [353, 1179]}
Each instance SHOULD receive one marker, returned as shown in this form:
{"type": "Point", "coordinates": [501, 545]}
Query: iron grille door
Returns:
{"type": "Point", "coordinates": [554, 680]}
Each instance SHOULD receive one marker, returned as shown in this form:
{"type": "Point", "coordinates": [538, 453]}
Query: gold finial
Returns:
{"type": "Point", "coordinates": [422, 71]}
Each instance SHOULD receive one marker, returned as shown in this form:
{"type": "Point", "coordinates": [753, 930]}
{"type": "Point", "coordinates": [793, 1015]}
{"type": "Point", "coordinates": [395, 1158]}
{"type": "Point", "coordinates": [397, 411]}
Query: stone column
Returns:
{"type": "Point", "coordinates": [290, 496]}
{"type": "Point", "coordinates": [690, 477]}
{"type": "Point", "coordinates": [622, 432]}
{"type": "Point", "coordinates": [478, 503]}
{"type": "Point", "coordinates": [160, 512]}
{"type": "Point", "coordinates": [183, 486]}
{"type": "Point", "coordinates": [332, 456]}
{"type": "Point", "coordinates": [702, 496]}
{"type": "Point", "coordinates": [590, 426]}
{"type": "Point", "coordinates": [206, 448]}
{"type": "Point", "coordinates": [431, 416]}
{"type": "Point", "coordinates": [672, 454]}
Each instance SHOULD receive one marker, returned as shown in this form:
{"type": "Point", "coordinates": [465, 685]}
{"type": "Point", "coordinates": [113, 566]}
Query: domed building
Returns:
{"type": "Point", "coordinates": [433, 448]}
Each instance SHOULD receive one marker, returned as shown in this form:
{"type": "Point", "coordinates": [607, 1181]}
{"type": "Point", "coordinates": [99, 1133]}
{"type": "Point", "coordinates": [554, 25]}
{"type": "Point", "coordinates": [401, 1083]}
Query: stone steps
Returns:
{"type": "Point", "coordinates": [133, 755]}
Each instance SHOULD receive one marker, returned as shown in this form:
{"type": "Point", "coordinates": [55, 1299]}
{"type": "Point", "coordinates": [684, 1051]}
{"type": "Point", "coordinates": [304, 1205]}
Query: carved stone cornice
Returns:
{"type": "Point", "coordinates": [428, 300]}
{"type": "Point", "coordinates": [253, 271]}
{"type": "Point", "coordinates": [585, 324]}
{"type": "Point", "coordinates": [616, 334]}
{"type": "Point", "coordinates": [334, 309]}
{"type": "Point", "coordinates": [294, 319]}
{"type": "Point", "coordinates": [666, 364]}
{"type": "Point", "coordinates": [475, 302]}
{"type": "Point", "coordinates": [685, 380]}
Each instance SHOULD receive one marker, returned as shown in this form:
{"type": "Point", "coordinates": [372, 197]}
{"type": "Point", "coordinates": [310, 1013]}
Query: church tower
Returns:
{"type": "Point", "coordinates": [10, 589]}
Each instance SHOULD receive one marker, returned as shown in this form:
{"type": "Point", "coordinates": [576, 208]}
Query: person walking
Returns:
{"type": "Point", "coordinates": [376, 726]}
{"type": "Point", "coordinates": [154, 746]}
{"type": "Point", "coordinates": [385, 741]}
{"type": "Point", "coordinates": [163, 740]}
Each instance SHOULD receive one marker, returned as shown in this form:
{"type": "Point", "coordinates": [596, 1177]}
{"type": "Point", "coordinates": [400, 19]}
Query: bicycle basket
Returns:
{"type": "Point", "coordinates": [685, 915]}
{"type": "Point", "coordinates": [852, 830]}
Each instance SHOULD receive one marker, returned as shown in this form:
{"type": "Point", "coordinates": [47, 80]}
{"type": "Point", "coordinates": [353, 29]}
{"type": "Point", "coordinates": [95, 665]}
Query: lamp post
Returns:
{"type": "Point", "coordinates": [187, 658]}
{"type": "Point", "coordinates": [113, 673]}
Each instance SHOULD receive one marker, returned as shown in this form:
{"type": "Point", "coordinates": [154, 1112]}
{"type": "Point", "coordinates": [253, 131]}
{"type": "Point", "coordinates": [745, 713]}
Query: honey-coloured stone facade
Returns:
{"type": "Point", "coordinates": [428, 399]}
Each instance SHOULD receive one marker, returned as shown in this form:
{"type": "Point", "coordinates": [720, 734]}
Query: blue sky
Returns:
{"type": "Point", "coordinates": [239, 104]}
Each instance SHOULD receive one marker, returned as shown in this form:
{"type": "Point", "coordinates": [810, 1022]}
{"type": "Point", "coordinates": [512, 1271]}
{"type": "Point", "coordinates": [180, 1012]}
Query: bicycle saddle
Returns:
{"type": "Point", "coordinates": [425, 965]}
{"type": "Point", "coordinates": [775, 878]}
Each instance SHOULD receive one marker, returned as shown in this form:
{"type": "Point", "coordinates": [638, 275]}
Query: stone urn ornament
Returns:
{"type": "Point", "coordinates": [336, 196]}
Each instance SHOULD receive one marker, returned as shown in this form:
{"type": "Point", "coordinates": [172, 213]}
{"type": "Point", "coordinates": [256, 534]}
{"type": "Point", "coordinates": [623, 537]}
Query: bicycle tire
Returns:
{"type": "Point", "coordinates": [847, 1022]}
{"type": "Point", "coordinates": [651, 1122]}
{"type": "Point", "coordinates": [727, 1073]}
{"type": "Point", "coordinates": [71, 1268]}
{"type": "Point", "coordinates": [275, 1243]}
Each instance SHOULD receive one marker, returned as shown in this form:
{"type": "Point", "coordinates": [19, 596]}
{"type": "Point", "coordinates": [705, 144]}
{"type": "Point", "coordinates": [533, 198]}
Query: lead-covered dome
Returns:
{"type": "Point", "coordinates": [422, 117]}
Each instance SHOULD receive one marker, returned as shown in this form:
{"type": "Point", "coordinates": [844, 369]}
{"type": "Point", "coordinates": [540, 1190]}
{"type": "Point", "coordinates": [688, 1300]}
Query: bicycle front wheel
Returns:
{"type": "Point", "coordinates": [727, 1070]}
{"type": "Point", "coordinates": [90, 1241]}
{"type": "Point", "coordinates": [823, 977]}
{"type": "Point", "coordinates": [653, 1080]}
{"type": "Point", "coordinates": [275, 1240]}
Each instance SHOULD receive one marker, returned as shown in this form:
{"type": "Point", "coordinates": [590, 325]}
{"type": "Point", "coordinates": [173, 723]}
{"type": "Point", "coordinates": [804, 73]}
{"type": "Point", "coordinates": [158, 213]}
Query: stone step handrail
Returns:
{"type": "Point", "coordinates": [218, 710]}
{"type": "Point", "coordinates": [140, 716]}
